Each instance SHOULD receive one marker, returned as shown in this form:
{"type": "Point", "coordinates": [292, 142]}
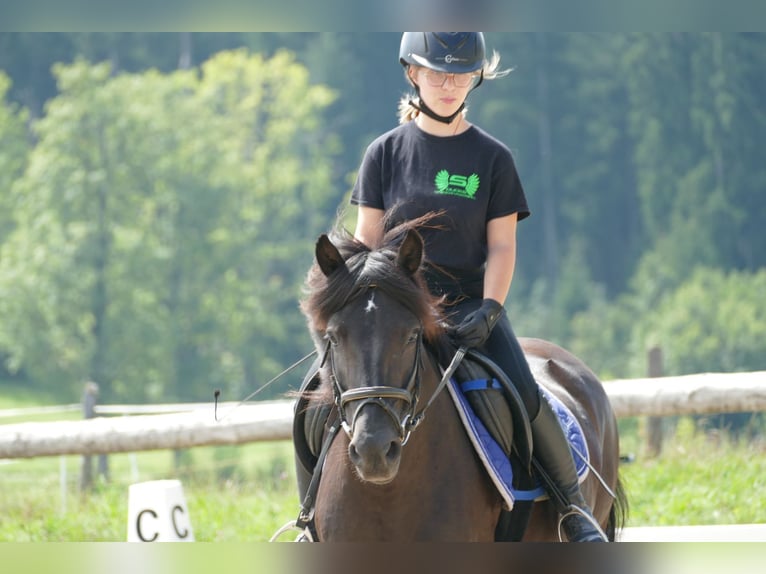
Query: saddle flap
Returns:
{"type": "Point", "coordinates": [498, 403]}
{"type": "Point", "coordinates": [488, 402]}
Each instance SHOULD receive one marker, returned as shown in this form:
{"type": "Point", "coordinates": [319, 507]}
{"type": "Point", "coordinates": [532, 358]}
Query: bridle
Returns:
{"type": "Point", "coordinates": [380, 395]}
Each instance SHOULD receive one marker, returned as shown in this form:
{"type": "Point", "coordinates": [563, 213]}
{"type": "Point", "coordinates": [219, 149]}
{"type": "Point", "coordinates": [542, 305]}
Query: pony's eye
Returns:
{"type": "Point", "coordinates": [414, 336]}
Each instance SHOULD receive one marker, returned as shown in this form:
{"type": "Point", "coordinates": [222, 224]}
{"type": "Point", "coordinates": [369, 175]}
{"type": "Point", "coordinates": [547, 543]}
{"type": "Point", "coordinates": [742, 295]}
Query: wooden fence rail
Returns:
{"type": "Point", "coordinates": [699, 394]}
{"type": "Point", "coordinates": [265, 421]}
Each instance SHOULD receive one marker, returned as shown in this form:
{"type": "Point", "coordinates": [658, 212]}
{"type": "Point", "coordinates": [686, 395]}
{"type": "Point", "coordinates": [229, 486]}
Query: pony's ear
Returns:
{"type": "Point", "coordinates": [410, 254]}
{"type": "Point", "coordinates": [328, 256]}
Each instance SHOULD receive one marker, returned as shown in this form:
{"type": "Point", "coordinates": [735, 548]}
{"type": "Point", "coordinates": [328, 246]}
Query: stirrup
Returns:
{"type": "Point", "coordinates": [303, 536]}
{"type": "Point", "coordinates": [574, 510]}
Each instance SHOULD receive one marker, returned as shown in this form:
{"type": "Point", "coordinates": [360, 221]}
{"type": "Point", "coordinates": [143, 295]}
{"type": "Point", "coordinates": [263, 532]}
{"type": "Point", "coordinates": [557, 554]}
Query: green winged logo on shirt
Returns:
{"type": "Point", "coordinates": [454, 184]}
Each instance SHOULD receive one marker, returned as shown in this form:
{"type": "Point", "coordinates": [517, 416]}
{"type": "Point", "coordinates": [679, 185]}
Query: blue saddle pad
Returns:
{"type": "Point", "coordinates": [495, 461]}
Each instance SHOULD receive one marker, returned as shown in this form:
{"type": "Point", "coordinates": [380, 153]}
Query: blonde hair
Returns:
{"type": "Point", "coordinates": [490, 70]}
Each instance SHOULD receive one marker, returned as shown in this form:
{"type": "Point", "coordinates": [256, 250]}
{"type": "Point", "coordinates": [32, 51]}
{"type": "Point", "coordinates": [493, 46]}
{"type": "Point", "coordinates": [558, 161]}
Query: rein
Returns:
{"type": "Point", "coordinates": [217, 393]}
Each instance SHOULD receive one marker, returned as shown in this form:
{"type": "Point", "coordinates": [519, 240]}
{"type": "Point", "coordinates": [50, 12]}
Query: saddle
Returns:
{"type": "Point", "coordinates": [494, 401]}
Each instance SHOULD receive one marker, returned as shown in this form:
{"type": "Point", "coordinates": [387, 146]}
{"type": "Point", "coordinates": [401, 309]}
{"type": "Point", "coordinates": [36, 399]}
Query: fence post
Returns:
{"type": "Point", "coordinates": [89, 399]}
{"type": "Point", "coordinates": [654, 424]}
{"type": "Point", "coordinates": [89, 395]}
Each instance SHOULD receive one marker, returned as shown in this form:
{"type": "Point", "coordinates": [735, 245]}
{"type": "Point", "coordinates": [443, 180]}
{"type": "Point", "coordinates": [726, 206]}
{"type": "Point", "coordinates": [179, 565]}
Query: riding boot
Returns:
{"type": "Point", "coordinates": [552, 452]}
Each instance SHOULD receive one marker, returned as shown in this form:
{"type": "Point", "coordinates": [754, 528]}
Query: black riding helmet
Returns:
{"type": "Point", "coordinates": [449, 52]}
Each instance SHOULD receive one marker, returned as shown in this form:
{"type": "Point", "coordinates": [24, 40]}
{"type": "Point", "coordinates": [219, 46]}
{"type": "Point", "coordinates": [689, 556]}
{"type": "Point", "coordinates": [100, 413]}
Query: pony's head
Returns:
{"type": "Point", "coordinates": [370, 313]}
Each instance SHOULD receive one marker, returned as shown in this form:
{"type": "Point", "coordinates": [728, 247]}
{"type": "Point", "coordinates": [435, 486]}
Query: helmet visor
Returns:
{"type": "Point", "coordinates": [449, 63]}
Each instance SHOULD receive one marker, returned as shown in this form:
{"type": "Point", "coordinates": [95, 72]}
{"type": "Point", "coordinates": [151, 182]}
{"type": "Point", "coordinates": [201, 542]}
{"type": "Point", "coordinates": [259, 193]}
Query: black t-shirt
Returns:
{"type": "Point", "coordinates": [471, 176]}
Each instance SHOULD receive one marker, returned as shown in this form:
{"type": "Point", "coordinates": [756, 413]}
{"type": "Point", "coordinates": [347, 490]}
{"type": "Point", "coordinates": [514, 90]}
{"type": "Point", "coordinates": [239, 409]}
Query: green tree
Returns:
{"type": "Point", "coordinates": [54, 264]}
{"type": "Point", "coordinates": [166, 227]}
{"type": "Point", "coordinates": [599, 204]}
{"type": "Point", "coordinates": [698, 179]}
{"type": "Point", "coordinates": [563, 112]}
{"type": "Point", "coordinates": [277, 159]}
{"type": "Point", "coordinates": [14, 149]}
{"type": "Point", "coordinates": [714, 321]}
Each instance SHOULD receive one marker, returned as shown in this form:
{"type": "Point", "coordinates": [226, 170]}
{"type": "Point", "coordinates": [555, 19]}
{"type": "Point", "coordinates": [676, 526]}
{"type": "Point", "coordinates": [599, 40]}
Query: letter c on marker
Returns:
{"type": "Point", "coordinates": [138, 525]}
{"type": "Point", "coordinates": [177, 508]}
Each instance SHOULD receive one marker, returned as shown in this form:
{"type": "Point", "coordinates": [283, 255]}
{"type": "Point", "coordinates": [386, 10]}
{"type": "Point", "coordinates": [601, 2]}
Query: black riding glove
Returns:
{"type": "Point", "coordinates": [476, 327]}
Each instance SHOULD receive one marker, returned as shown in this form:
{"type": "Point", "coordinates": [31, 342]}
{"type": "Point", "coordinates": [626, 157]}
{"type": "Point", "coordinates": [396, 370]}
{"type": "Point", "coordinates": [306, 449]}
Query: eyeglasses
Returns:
{"type": "Point", "coordinates": [438, 79]}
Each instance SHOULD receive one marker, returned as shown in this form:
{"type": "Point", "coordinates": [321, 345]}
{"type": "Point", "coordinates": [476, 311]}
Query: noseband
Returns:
{"type": "Point", "coordinates": [379, 396]}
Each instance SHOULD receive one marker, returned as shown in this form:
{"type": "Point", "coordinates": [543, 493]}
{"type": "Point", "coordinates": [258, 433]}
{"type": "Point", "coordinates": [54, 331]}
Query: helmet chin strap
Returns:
{"type": "Point", "coordinates": [421, 106]}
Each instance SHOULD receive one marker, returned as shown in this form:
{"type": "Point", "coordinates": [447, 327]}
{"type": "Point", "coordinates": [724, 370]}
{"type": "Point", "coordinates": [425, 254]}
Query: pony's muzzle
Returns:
{"type": "Point", "coordinates": [375, 450]}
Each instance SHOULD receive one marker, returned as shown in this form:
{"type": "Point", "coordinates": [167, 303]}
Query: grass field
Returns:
{"type": "Point", "coordinates": [245, 493]}
{"type": "Point", "coordinates": [233, 494]}
{"type": "Point", "coordinates": [698, 479]}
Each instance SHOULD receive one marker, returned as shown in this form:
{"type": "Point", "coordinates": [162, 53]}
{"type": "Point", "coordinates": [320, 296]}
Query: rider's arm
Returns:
{"type": "Point", "coordinates": [501, 257]}
{"type": "Point", "coordinates": [369, 226]}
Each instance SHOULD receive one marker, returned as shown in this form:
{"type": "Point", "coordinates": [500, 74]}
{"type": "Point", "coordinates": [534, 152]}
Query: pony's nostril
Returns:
{"type": "Point", "coordinates": [352, 453]}
{"type": "Point", "coordinates": [394, 450]}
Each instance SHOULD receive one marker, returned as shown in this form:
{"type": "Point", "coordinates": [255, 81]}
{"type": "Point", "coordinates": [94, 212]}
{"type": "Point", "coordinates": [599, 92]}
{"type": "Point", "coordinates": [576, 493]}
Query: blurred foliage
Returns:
{"type": "Point", "coordinates": [150, 252]}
